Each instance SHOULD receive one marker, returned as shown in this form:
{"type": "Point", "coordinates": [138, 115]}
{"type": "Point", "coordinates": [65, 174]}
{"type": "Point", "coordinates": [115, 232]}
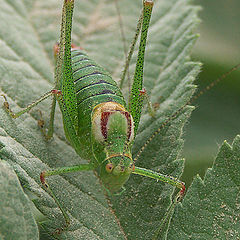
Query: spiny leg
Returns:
{"type": "Point", "coordinates": [163, 178]}
{"type": "Point", "coordinates": [67, 83]}
{"type": "Point", "coordinates": [136, 101]}
{"type": "Point", "coordinates": [64, 78]}
{"type": "Point", "coordinates": [44, 174]}
{"type": "Point", "coordinates": [63, 70]}
{"type": "Point", "coordinates": [67, 99]}
{"type": "Point", "coordinates": [26, 109]}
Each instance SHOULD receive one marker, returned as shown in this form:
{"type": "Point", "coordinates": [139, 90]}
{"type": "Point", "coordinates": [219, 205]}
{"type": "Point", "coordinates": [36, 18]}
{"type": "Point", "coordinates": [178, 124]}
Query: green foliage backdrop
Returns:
{"type": "Point", "coordinates": [28, 31]}
{"type": "Point", "coordinates": [215, 118]}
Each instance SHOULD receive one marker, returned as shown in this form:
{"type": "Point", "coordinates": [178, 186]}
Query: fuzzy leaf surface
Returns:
{"type": "Point", "coordinates": [211, 208]}
{"type": "Point", "coordinates": [28, 31]}
{"type": "Point", "coordinates": [16, 218]}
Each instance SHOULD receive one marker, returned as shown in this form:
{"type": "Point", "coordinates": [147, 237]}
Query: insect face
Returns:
{"type": "Point", "coordinates": [115, 171]}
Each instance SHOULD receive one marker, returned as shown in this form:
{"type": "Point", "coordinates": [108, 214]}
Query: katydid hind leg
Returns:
{"type": "Point", "coordinates": [58, 51]}
{"type": "Point", "coordinates": [136, 101]}
{"type": "Point", "coordinates": [64, 79]}
{"type": "Point", "coordinates": [67, 84]}
{"type": "Point", "coordinates": [63, 72]}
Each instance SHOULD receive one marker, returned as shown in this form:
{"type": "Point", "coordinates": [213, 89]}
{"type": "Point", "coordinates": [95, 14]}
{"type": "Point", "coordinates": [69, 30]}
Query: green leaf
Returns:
{"type": "Point", "coordinates": [211, 207]}
{"type": "Point", "coordinates": [16, 218]}
{"type": "Point", "coordinates": [28, 31]}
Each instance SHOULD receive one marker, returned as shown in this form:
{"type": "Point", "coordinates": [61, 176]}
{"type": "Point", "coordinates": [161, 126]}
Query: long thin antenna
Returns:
{"type": "Point", "coordinates": [131, 50]}
{"type": "Point", "coordinates": [195, 97]}
{"type": "Point", "coordinates": [214, 83]}
{"type": "Point", "coordinates": [123, 36]}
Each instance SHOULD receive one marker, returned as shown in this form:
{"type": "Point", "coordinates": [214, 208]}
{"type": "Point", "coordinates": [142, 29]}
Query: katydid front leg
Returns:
{"type": "Point", "coordinates": [135, 107]}
{"type": "Point", "coordinates": [44, 174]}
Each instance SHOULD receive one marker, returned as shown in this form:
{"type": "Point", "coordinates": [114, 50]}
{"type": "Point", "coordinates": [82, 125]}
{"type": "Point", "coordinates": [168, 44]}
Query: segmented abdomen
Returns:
{"type": "Point", "coordinates": [93, 82]}
{"type": "Point", "coordinates": [93, 85]}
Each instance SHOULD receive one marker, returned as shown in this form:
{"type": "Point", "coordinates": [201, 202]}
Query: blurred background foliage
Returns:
{"type": "Point", "coordinates": [217, 113]}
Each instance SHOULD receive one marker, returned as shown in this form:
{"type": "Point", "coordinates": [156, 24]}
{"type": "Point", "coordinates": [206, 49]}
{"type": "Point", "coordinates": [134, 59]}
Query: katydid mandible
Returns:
{"type": "Point", "coordinates": [97, 121]}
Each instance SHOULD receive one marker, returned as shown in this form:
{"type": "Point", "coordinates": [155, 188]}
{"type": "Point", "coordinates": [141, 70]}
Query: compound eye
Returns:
{"type": "Point", "coordinates": [109, 167]}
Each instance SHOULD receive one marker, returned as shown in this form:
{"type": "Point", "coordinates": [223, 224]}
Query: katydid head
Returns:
{"type": "Point", "coordinates": [113, 131]}
{"type": "Point", "coordinates": [115, 171]}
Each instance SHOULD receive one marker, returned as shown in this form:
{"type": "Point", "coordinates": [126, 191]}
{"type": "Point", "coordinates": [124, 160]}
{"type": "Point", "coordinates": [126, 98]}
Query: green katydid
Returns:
{"type": "Point", "coordinates": [97, 121]}
{"type": "Point", "coordinates": [59, 94]}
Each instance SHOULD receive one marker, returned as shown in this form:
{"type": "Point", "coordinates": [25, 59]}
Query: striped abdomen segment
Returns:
{"type": "Point", "coordinates": [93, 85]}
{"type": "Point", "coordinates": [92, 82]}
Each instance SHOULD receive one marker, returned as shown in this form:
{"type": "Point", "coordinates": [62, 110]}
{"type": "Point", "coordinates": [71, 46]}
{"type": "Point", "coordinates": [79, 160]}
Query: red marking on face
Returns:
{"type": "Point", "coordinates": [104, 121]}
{"type": "Point", "coordinates": [129, 123]}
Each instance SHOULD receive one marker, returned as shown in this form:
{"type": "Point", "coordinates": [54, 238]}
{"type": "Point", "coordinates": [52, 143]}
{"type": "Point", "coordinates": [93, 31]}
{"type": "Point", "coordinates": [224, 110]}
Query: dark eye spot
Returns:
{"type": "Point", "coordinates": [109, 167]}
